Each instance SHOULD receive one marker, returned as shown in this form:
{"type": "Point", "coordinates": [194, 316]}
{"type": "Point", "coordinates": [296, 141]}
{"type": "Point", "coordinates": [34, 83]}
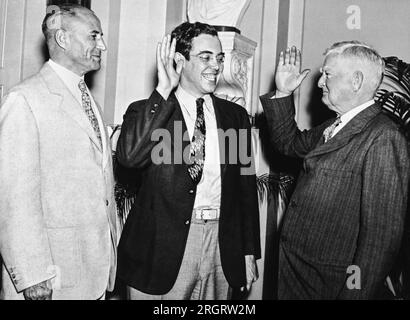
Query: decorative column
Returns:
{"type": "Point", "coordinates": [236, 81]}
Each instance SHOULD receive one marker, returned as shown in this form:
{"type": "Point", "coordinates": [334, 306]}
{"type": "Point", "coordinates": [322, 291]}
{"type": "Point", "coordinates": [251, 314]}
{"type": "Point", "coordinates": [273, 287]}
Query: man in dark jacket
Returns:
{"type": "Point", "coordinates": [193, 232]}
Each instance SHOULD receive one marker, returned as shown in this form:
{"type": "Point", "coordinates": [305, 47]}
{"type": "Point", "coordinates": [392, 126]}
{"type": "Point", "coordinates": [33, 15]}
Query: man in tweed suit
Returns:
{"type": "Point", "coordinates": [342, 230]}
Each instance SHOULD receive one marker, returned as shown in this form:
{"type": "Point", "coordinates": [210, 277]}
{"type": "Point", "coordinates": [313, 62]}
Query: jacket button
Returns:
{"type": "Point", "coordinates": [187, 222]}
{"type": "Point", "coordinates": [156, 105]}
{"type": "Point", "coordinates": [152, 111]}
{"type": "Point", "coordinates": [191, 191]}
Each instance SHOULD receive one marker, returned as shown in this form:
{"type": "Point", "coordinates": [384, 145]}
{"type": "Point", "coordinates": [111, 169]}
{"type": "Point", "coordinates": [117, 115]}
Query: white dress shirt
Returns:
{"type": "Point", "coordinates": [346, 117]}
{"type": "Point", "coordinates": [209, 188]}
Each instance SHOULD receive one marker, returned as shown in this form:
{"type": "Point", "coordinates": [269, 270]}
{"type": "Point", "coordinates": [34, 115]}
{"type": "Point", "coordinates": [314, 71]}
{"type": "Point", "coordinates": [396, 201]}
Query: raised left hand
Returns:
{"type": "Point", "coordinates": [288, 75]}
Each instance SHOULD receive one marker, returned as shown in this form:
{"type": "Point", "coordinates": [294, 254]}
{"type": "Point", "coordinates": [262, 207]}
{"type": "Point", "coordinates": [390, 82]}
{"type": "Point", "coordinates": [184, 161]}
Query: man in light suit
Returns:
{"type": "Point", "coordinates": [343, 227]}
{"type": "Point", "coordinates": [57, 211]}
{"type": "Point", "coordinates": [193, 232]}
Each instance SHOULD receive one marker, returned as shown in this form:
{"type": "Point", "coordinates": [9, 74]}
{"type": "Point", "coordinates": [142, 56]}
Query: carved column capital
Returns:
{"type": "Point", "coordinates": [236, 80]}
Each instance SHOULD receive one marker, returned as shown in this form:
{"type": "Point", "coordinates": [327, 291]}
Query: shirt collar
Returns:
{"type": "Point", "coordinates": [65, 74]}
{"type": "Point", "coordinates": [346, 117]}
{"type": "Point", "coordinates": [189, 102]}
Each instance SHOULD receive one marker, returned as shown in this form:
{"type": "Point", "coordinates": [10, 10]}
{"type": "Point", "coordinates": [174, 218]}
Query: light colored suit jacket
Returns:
{"type": "Point", "coordinates": [57, 207]}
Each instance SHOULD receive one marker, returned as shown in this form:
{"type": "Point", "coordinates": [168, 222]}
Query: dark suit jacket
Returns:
{"type": "Point", "coordinates": [154, 237]}
{"type": "Point", "coordinates": [348, 207]}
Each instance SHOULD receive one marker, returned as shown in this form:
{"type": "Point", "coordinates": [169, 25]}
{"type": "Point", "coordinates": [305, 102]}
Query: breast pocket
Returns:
{"type": "Point", "coordinates": [334, 178]}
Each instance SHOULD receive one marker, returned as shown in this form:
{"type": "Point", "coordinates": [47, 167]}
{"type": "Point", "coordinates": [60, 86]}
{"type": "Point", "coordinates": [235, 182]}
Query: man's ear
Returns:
{"type": "Point", "coordinates": [179, 59]}
{"type": "Point", "coordinates": [61, 38]}
{"type": "Point", "coordinates": [357, 80]}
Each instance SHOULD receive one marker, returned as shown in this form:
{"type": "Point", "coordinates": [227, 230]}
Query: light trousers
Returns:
{"type": "Point", "coordinates": [200, 276]}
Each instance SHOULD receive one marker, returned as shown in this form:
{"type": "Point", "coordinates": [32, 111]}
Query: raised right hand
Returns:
{"type": "Point", "coordinates": [288, 76]}
{"type": "Point", "coordinates": [41, 291]}
{"type": "Point", "coordinates": [168, 76]}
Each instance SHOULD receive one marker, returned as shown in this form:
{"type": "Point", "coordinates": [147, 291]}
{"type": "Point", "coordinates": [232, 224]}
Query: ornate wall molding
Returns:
{"type": "Point", "coordinates": [236, 80]}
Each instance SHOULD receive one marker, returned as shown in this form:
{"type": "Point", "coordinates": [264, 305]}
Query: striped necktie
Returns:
{"type": "Point", "coordinates": [197, 149]}
{"type": "Point", "coordinates": [86, 103]}
{"type": "Point", "coordinates": [328, 132]}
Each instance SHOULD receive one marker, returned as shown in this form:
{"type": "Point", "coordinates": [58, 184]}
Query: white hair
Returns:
{"type": "Point", "coordinates": [369, 58]}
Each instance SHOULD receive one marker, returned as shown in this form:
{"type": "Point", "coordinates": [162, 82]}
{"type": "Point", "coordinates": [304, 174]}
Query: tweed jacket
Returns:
{"type": "Point", "coordinates": [346, 215]}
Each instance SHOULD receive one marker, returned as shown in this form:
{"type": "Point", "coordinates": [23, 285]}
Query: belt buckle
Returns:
{"type": "Point", "coordinates": [206, 214]}
{"type": "Point", "coordinates": [209, 214]}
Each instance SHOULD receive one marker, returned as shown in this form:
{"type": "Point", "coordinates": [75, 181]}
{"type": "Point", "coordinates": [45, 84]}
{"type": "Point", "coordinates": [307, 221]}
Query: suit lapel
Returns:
{"type": "Point", "coordinates": [222, 123]}
{"type": "Point", "coordinates": [178, 117]}
{"type": "Point", "coordinates": [106, 142]}
{"type": "Point", "coordinates": [68, 103]}
{"type": "Point", "coordinates": [179, 143]}
{"type": "Point", "coordinates": [355, 126]}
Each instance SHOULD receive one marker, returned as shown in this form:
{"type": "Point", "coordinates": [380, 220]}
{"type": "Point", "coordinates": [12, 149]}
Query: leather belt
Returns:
{"type": "Point", "coordinates": [207, 213]}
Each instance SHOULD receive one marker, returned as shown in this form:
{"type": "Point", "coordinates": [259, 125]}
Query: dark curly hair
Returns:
{"type": "Point", "coordinates": [186, 31]}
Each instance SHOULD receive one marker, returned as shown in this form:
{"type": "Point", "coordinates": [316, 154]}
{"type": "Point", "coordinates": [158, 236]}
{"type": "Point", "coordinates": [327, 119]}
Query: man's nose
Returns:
{"type": "Point", "coordinates": [101, 45]}
{"type": "Point", "coordinates": [322, 81]}
{"type": "Point", "coordinates": [214, 64]}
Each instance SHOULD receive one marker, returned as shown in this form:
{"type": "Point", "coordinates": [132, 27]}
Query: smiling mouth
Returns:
{"type": "Point", "coordinates": [210, 77]}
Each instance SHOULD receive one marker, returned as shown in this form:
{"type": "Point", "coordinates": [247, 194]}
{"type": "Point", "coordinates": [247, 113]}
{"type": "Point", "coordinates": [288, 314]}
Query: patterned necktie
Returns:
{"type": "Point", "coordinates": [327, 133]}
{"type": "Point", "coordinates": [88, 109]}
{"type": "Point", "coordinates": [197, 150]}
